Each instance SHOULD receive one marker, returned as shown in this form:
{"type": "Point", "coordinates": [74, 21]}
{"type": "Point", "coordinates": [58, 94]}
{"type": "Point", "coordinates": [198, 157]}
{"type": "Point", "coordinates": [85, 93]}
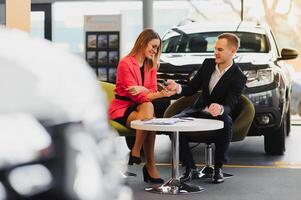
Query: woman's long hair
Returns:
{"type": "Point", "coordinates": [141, 44]}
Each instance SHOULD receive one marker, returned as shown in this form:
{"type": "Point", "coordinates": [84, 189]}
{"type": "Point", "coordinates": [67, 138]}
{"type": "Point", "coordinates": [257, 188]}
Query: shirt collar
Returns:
{"type": "Point", "coordinates": [223, 71]}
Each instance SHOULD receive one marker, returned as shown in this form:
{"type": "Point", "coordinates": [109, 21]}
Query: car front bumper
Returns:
{"type": "Point", "coordinates": [269, 110]}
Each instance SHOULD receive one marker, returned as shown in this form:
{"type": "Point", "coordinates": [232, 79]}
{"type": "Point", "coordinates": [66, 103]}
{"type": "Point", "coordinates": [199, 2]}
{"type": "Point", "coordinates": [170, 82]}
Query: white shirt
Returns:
{"type": "Point", "coordinates": [215, 77]}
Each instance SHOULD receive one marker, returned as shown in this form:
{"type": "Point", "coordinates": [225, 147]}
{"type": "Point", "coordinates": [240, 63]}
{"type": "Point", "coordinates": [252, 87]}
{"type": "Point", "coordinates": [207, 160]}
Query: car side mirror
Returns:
{"type": "Point", "coordinates": [287, 53]}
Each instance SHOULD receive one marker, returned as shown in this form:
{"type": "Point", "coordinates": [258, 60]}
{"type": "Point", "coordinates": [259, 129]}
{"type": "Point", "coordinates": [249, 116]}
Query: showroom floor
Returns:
{"type": "Point", "coordinates": [256, 175]}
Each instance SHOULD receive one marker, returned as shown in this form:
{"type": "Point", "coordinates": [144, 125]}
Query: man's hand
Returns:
{"type": "Point", "coordinates": [172, 85]}
{"type": "Point", "coordinates": [135, 90]}
{"type": "Point", "coordinates": [215, 109]}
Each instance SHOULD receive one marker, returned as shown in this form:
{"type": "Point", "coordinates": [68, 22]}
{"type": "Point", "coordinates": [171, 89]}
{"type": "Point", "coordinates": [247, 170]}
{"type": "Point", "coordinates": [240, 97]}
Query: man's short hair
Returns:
{"type": "Point", "coordinates": [232, 39]}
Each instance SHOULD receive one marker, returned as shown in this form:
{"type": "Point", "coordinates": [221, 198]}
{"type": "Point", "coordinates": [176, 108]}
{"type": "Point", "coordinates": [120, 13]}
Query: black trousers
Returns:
{"type": "Point", "coordinates": [221, 141]}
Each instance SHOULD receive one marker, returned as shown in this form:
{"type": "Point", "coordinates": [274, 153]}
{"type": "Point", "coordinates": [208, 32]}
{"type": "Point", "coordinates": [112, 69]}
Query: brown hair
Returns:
{"type": "Point", "coordinates": [232, 39]}
{"type": "Point", "coordinates": [141, 44]}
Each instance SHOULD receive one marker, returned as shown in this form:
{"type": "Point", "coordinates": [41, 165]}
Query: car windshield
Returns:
{"type": "Point", "coordinates": [204, 42]}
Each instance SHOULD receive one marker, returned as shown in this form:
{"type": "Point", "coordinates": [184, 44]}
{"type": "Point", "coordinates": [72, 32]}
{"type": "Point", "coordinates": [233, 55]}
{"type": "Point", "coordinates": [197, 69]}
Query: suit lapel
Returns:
{"type": "Point", "coordinates": [136, 70]}
{"type": "Point", "coordinates": [207, 78]}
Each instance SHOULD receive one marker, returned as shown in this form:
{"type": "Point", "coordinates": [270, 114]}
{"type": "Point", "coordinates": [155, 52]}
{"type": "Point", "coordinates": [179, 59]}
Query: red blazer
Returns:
{"type": "Point", "coordinates": [128, 74]}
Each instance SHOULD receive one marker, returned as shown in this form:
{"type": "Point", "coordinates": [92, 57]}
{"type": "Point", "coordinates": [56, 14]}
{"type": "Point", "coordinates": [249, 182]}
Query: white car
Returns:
{"type": "Point", "coordinates": [269, 82]}
{"type": "Point", "coordinates": [55, 139]}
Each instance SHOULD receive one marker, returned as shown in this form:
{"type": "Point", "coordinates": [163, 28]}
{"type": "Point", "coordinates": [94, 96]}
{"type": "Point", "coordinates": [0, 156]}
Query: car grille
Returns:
{"type": "Point", "coordinates": [181, 78]}
{"type": "Point", "coordinates": [180, 74]}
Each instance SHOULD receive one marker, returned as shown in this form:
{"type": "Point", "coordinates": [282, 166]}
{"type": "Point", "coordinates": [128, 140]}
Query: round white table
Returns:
{"type": "Point", "coordinates": [174, 185]}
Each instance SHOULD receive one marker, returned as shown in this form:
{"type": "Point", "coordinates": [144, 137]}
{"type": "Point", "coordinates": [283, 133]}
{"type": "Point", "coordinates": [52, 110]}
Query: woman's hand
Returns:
{"type": "Point", "coordinates": [160, 94]}
{"type": "Point", "coordinates": [172, 85]}
{"type": "Point", "coordinates": [167, 93]}
{"type": "Point", "coordinates": [135, 90]}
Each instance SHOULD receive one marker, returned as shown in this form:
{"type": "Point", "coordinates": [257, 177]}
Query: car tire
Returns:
{"type": "Point", "coordinates": [288, 121]}
{"type": "Point", "coordinates": [274, 142]}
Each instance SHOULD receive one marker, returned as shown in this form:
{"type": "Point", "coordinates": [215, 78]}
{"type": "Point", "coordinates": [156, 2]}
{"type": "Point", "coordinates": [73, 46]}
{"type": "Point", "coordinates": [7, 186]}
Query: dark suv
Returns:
{"type": "Point", "coordinates": [268, 85]}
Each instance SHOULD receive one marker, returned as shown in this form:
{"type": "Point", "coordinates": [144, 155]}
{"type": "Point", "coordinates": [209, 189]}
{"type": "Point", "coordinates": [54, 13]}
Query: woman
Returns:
{"type": "Point", "coordinates": [136, 87]}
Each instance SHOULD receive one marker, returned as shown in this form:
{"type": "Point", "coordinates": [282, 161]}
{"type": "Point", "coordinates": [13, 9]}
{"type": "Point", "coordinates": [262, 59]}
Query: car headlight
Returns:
{"type": "Point", "coordinates": [30, 180]}
{"type": "Point", "coordinates": [23, 139]}
{"type": "Point", "coordinates": [259, 77]}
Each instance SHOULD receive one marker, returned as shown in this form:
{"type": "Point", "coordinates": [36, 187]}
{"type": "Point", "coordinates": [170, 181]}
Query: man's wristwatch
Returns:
{"type": "Point", "coordinates": [222, 110]}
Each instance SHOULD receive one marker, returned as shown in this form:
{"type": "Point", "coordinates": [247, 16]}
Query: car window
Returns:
{"type": "Point", "coordinates": [169, 45]}
{"type": "Point", "coordinates": [252, 42]}
{"type": "Point", "coordinates": [205, 42]}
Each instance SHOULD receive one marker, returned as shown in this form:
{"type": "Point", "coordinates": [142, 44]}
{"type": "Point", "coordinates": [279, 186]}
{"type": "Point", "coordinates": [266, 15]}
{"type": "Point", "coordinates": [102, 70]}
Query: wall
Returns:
{"type": "Point", "coordinates": [18, 14]}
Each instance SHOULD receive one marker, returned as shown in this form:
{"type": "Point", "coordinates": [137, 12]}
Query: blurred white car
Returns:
{"type": "Point", "coordinates": [55, 139]}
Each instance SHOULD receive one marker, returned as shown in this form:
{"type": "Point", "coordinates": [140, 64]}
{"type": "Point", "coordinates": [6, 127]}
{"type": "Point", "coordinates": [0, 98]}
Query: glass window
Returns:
{"type": "Point", "coordinates": [68, 31]}
{"type": "Point", "coordinates": [190, 43]}
{"type": "Point", "coordinates": [251, 42]}
{"type": "Point", "coordinates": [169, 45]}
{"type": "Point", "coordinates": [37, 24]}
{"type": "Point", "coordinates": [2, 11]}
{"type": "Point", "coordinates": [205, 42]}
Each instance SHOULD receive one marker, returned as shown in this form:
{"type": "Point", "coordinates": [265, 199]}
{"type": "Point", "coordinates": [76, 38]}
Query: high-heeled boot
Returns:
{"type": "Point", "coordinates": [134, 159]}
{"type": "Point", "coordinates": [148, 179]}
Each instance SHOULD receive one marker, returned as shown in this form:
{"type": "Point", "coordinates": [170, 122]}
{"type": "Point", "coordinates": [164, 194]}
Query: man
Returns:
{"type": "Point", "coordinates": [222, 83]}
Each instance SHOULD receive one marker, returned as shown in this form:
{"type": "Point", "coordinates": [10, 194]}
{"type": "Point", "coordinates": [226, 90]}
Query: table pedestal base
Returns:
{"type": "Point", "coordinates": [174, 186]}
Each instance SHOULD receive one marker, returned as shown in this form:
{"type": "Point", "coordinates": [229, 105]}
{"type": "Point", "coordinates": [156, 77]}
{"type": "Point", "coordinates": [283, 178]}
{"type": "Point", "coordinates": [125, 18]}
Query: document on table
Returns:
{"type": "Point", "coordinates": [165, 121]}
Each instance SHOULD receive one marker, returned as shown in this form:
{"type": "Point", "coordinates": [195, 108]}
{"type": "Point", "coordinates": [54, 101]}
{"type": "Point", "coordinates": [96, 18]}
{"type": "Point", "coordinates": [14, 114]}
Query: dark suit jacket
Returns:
{"type": "Point", "coordinates": [226, 92]}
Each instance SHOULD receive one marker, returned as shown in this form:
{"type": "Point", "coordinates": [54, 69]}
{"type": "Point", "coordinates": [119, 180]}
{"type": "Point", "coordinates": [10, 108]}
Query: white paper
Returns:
{"type": "Point", "coordinates": [163, 121]}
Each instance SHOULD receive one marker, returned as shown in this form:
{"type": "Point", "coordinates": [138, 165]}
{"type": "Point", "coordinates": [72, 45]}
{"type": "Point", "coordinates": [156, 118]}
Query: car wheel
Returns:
{"type": "Point", "coordinates": [274, 142]}
{"type": "Point", "coordinates": [288, 121]}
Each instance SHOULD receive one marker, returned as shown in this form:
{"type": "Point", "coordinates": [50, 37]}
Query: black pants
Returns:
{"type": "Point", "coordinates": [221, 141]}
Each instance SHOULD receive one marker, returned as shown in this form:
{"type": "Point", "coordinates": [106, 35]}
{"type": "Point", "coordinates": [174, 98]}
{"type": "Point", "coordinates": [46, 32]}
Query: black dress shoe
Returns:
{"type": "Point", "coordinates": [134, 159]}
{"type": "Point", "coordinates": [218, 176]}
{"type": "Point", "coordinates": [148, 179]}
{"type": "Point", "coordinates": [189, 174]}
